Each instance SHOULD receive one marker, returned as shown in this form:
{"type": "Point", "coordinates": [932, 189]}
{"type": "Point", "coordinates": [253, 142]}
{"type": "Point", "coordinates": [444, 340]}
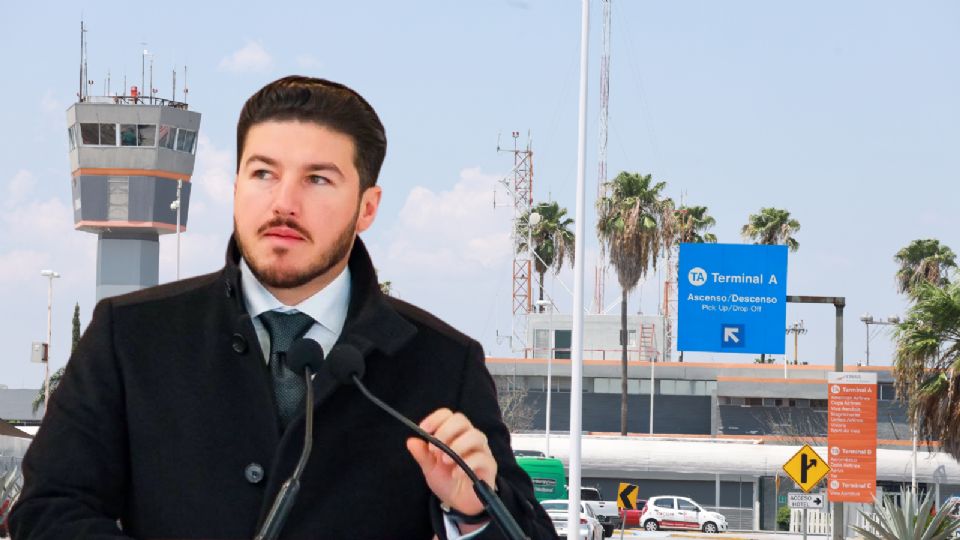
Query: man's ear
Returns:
{"type": "Point", "coordinates": [369, 203]}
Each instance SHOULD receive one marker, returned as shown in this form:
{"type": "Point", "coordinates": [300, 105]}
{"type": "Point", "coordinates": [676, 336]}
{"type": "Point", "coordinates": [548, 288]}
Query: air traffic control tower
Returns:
{"type": "Point", "coordinates": [130, 157]}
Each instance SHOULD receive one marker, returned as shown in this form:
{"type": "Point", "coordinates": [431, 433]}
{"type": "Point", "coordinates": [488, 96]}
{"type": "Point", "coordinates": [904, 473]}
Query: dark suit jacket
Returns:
{"type": "Point", "coordinates": [165, 415]}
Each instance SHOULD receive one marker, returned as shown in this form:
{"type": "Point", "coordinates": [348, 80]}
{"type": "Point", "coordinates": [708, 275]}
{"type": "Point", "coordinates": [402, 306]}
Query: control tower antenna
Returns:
{"type": "Point", "coordinates": [143, 66]}
{"type": "Point", "coordinates": [152, 89]}
{"type": "Point", "coordinates": [84, 89]}
{"type": "Point", "coordinates": [80, 86]}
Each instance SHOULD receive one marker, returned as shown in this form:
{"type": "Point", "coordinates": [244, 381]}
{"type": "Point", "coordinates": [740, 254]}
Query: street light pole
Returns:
{"type": "Point", "coordinates": [549, 305]}
{"type": "Point", "coordinates": [868, 319]}
{"type": "Point", "coordinates": [894, 320]}
{"type": "Point", "coordinates": [175, 205]}
{"type": "Point", "coordinates": [50, 275]}
{"type": "Point", "coordinates": [796, 329]}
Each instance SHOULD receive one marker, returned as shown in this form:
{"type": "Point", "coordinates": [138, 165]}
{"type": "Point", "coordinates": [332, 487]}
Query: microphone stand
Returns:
{"type": "Point", "coordinates": [287, 495]}
{"type": "Point", "coordinates": [491, 503]}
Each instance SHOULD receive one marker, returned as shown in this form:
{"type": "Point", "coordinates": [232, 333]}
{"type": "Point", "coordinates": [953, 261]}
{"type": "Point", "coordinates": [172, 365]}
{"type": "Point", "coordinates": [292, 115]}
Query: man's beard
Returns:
{"type": "Point", "coordinates": [292, 278]}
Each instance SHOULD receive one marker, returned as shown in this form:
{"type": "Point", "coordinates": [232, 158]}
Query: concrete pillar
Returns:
{"type": "Point", "coordinates": [756, 504]}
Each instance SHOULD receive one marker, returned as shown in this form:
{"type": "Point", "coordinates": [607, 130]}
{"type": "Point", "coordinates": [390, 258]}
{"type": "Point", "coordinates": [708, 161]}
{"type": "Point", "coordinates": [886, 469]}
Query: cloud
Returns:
{"type": "Point", "coordinates": [19, 187]}
{"type": "Point", "coordinates": [215, 173]}
{"type": "Point", "coordinates": [39, 220]}
{"type": "Point", "coordinates": [50, 104]}
{"type": "Point", "coordinates": [251, 58]}
{"type": "Point", "coordinates": [200, 253]}
{"type": "Point", "coordinates": [306, 61]}
{"type": "Point", "coordinates": [449, 230]}
{"type": "Point", "coordinates": [18, 266]}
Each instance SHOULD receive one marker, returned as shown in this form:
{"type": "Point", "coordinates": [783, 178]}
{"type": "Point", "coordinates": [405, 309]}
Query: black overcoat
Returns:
{"type": "Point", "coordinates": [164, 424]}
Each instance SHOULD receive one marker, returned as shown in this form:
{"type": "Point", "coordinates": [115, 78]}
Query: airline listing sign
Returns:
{"type": "Point", "coordinates": [852, 436]}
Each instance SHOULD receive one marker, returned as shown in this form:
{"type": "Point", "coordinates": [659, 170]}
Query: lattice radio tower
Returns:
{"type": "Point", "coordinates": [600, 269]}
{"type": "Point", "coordinates": [519, 185]}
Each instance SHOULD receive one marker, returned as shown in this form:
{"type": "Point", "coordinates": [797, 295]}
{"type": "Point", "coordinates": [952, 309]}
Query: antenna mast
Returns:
{"type": "Point", "coordinates": [600, 269]}
{"type": "Point", "coordinates": [82, 78]}
{"type": "Point", "coordinates": [151, 79]}
{"type": "Point", "coordinates": [519, 184]}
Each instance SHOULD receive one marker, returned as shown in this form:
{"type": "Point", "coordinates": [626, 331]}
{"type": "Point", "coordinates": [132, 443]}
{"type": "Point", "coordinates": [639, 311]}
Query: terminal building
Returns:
{"type": "Point", "coordinates": [721, 431]}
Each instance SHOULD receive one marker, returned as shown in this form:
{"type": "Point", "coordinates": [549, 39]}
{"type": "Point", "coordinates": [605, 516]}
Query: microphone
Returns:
{"type": "Point", "coordinates": [304, 358]}
{"type": "Point", "coordinates": [347, 367]}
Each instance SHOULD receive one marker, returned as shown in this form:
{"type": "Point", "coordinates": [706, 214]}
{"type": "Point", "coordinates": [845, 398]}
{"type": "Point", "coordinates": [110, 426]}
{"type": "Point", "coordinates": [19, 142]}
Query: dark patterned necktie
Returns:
{"type": "Point", "coordinates": [289, 388]}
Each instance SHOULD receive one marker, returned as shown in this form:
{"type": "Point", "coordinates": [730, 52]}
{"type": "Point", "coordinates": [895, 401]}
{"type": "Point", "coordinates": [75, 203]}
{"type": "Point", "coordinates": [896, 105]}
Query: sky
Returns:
{"type": "Point", "coordinates": [844, 113]}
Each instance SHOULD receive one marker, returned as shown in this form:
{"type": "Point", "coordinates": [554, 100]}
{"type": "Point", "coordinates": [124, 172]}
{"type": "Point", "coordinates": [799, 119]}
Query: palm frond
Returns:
{"type": "Point", "coordinates": [910, 519]}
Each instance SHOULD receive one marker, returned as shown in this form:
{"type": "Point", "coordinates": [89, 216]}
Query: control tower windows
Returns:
{"type": "Point", "coordinates": [186, 139]}
{"type": "Point", "coordinates": [168, 135]}
{"type": "Point", "coordinates": [73, 143]}
{"type": "Point", "coordinates": [138, 135]}
{"type": "Point", "coordinates": [108, 134]}
{"type": "Point", "coordinates": [128, 135]}
{"type": "Point", "coordinates": [147, 135]}
{"type": "Point", "coordinates": [90, 133]}
{"type": "Point", "coordinates": [98, 134]}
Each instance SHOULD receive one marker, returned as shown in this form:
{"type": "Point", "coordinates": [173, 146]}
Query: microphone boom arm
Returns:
{"type": "Point", "coordinates": [287, 495]}
{"type": "Point", "coordinates": [491, 503]}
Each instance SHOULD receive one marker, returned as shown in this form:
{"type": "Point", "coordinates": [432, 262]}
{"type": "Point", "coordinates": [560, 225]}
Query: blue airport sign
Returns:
{"type": "Point", "coordinates": [732, 298]}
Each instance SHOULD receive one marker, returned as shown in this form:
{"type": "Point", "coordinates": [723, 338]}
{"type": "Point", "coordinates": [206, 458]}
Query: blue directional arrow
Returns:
{"type": "Point", "coordinates": [733, 336]}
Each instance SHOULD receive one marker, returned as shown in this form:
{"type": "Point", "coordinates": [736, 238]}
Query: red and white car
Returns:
{"type": "Point", "coordinates": [672, 512]}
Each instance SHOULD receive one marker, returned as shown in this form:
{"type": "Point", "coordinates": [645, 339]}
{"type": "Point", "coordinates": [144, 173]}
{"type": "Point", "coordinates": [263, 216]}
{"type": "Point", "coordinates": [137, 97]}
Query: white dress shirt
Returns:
{"type": "Point", "coordinates": [328, 308]}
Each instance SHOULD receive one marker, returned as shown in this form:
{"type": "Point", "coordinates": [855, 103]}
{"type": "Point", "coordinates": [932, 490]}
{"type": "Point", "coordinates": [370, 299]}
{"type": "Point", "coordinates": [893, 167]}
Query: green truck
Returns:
{"type": "Point", "coordinates": [549, 478]}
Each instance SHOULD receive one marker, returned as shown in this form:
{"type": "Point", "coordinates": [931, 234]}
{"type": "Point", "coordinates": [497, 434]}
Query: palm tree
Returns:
{"type": "Point", "coordinates": [927, 364]}
{"type": "Point", "coordinates": [692, 224]}
{"type": "Point", "coordinates": [772, 226]}
{"type": "Point", "coordinates": [630, 225]}
{"type": "Point", "coordinates": [924, 260]}
{"type": "Point", "coordinates": [553, 241]}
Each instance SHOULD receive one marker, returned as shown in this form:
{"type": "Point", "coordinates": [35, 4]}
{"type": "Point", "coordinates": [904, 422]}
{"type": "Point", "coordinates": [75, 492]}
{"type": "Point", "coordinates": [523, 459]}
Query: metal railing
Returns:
{"type": "Point", "coordinates": [134, 100]}
{"type": "Point", "coordinates": [634, 354]}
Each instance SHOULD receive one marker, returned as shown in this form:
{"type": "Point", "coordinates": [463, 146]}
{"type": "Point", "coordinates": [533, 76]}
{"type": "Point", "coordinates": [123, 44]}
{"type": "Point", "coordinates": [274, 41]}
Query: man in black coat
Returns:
{"type": "Point", "coordinates": [176, 418]}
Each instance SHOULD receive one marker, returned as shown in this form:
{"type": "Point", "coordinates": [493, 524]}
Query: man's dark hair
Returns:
{"type": "Point", "coordinates": [326, 103]}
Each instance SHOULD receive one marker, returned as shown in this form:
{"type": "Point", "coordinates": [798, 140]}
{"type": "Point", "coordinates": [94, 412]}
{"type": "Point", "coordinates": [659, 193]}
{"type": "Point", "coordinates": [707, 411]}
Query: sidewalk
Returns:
{"type": "Point", "coordinates": [734, 535]}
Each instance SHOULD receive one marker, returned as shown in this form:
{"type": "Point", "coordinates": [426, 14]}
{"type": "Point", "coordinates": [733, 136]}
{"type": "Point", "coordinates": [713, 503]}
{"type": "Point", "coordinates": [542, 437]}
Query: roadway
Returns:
{"type": "Point", "coordinates": [734, 535]}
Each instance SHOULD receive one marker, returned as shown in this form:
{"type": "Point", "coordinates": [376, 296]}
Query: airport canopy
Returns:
{"type": "Point", "coordinates": [703, 458]}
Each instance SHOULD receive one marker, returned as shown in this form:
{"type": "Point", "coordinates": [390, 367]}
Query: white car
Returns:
{"type": "Point", "coordinates": [590, 528]}
{"type": "Point", "coordinates": [672, 512]}
{"type": "Point", "coordinates": [952, 505]}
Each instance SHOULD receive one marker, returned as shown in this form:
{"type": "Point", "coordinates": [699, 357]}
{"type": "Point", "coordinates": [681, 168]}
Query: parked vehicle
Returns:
{"type": "Point", "coordinates": [558, 510]}
{"type": "Point", "coordinates": [952, 505]}
{"type": "Point", "coordinates": [631, 518]}
{"type": "Point", "coordinates": [10, 486]}
{"type": "Point", "coordinates": [672, 512]}
{"type": "Point", "coordinates": [606, 511]}
{"type": "Point", "coordinates": [547, 474]}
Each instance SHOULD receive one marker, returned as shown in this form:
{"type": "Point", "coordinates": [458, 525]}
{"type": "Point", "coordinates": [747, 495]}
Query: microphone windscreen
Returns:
{"type": "Point", "coordinates": [344, 362]}
{"type": "Point", "coordinates": [303, 353]}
